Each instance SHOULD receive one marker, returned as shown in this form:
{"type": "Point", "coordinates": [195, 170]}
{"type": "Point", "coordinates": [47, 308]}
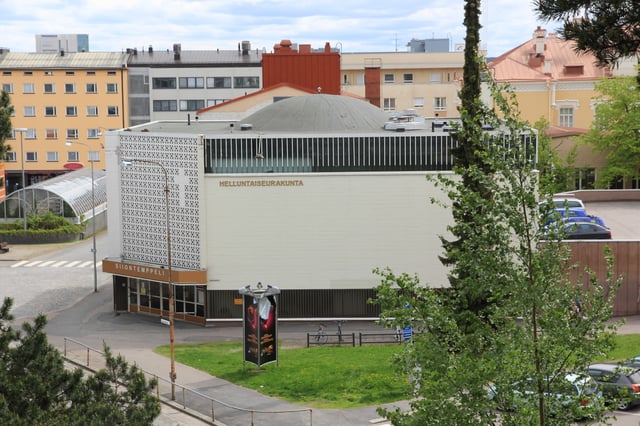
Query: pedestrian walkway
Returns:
{"type": "Point", "coordinates": [56, 264]}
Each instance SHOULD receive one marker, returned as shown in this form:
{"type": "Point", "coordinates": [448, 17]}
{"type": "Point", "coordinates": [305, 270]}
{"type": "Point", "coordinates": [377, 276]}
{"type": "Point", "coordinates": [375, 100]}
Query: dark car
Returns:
{"type": "Point", "coordinates": [579, 216]}
{"type": "Point", "coordinates": [586, 231]}
{"type": "Point", "coordinates": [619, 384]}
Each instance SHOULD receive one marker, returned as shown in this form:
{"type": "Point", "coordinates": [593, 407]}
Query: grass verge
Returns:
{"type": "Point", "coordinates": [321, 377]}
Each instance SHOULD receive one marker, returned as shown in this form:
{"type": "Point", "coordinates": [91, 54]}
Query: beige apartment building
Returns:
{"type": "Point", "coordinates": [397, 81]}
{"type": "Point", "coordinates": [60, 98]}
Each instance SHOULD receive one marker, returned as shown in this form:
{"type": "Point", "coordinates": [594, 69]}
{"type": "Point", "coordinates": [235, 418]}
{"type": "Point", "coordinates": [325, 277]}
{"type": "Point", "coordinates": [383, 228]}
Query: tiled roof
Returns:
{"type": "Point", "coordinates": [546, 58]}
{"type": "Point", "coordinates": [16, 60]}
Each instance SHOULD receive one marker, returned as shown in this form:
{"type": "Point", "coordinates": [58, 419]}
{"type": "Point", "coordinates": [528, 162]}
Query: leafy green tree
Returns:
{"type": "Point", "coordinates": [6, 111]}
{"type": "Point", "coordinates": [615, 130]}
{"type": "Point", "coordinates": [37, 389]}
{"type": "Point", "coordinates": [507, 318]}
{"type": "Point", "coordinates": [606, 28]}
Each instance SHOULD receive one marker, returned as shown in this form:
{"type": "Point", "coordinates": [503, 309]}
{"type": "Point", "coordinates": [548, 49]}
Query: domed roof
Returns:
{"type": "Point", "coordinates": [318, 113]}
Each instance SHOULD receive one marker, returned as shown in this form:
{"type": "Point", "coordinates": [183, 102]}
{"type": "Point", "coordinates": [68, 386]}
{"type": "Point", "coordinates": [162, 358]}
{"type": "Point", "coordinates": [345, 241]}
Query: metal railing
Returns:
{"type": "Point", "coordinates": [349, 339]}
{"type": "Point", "coordinates": [190, 401]}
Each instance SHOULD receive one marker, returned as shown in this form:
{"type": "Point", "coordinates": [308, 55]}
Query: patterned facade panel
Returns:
{"type": "Point", "coordinates": [143, 212]}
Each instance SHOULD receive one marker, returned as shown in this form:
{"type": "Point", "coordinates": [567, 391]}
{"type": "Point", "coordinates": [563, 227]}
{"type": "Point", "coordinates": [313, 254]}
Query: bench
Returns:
{"type": "Point", "coordinates": [4, 247]}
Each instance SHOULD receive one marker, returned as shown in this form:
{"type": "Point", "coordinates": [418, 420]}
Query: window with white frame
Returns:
{"type": "Point", "coordinates": [212, 102]}
{"type": "Point", "coordinates": [31, 134]}
{"type": "Point", "coordinates": [52, 156]}
{"type": "Point", "coordinates": [165, 105]}
{"type": "Point", "coordinates": [31, 156]}
{"type": "Point", "coordinates": [94, 156]}
{"type": "Point", "coordinates": [389, 78]}
{"type": "Point", "coordinates": [92, 88]}
{"type": "Point", "coordinates": [112, 87]}
{"type": "Point", "coordinates": [407, 78]}
{"type": "Point", "coordinates": [360, 79]}
{"type": "Point", "coordinates": [191, 104]}
{"type": "Point", "coordinates": [28, 88]}
{"type": "Point", "coordinates": [435, 77]}
{"type": "Point", "coordinates": [93, 133]}
{"type": "Point", "coordinates": [112, 110]}
{"type": "Point", "coordinates": [565, 116]}
{"type": "Point", "coordinates": [72, 156]}
{"type": "Point", "coordinates": [439, 103]}
{"type": "Point", "coordinates": [418, 102]}
{"type": "Point", "coordinates": [72, 133]}
{"type": "Point", "coordinates": [7, 87]}
{"type": "Point", "coordinates": [219, 82]}
{"type": "Point", "coordinates": [50, 111]}
{"type": "Point", "coordinates": [50, 88]}
{"type": "Point", "coordinates": [92, 111]}
{"type": "Point", "coordinates": [389, 104]}
{"type": "Point", "coordinates": [69, 88]}
{"type": "Point", "coordinates": [164, 82]}
{"type": "Point", "coordinates": [191, 82]}
{"type": "Point", "coordinates": [72, 111]}
{"type": "Point", "coordinates": [29, 111]}
{"type": "Point", "coordinates": [51, 133]}
{"type": "Point", "coordinates": [246, 82]}
{"type": "Point", "coordinates": [11, 156]}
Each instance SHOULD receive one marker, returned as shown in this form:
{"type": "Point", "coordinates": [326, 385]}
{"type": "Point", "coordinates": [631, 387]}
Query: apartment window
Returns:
{"type": "Point", "coordinates": [29, 111]}
{"type": "Point", "coordinates": [11, 156]}
{"type": "Point", "coordinates": [91, 73]}
{"type": "Point", "coordinates": [111, 73]}
{"type": "Point", "coordinates": [27, 73]}
{"type": "Point", "coordinates": [94, 156]}
{"type": "Point", "coordinates": [407, 78]}
{"type": "Point", "coordinates": [51, 133]}
{"type": "Point", "coordinates": [72, 111]}
{"type": "Point", "coordinates": [31, 156]}
{"type": "Point", "coordinates": [92, 110]}
{"type": "Point", "coordinates": [246, 82]}
{"type": "Point", "coordinates": [565, 117]}
{"type": "Point", "coordinates": [72, 133]}
{"type": "Point", "coordinates": [112, 87]}
{"type": "Point", "coordinates": [212, 102]}
{"type": "Point", "coordinates": [191, 104]}
{"type": "Point", "coordinates": [219, 82]}
{"type": "Point", "coordinates": [69, 73]}
{"type": "Point", "coordinates": [69, 88]}
{"type": "Point", "coordinates": [360, 79]}
{"type": "Point", "coordinates": [72, 156]}
{"type": "Point", "coordinates": [31, 134]}
{"type": "Point", "coordinates": [191, 82]}
{"type": "Point", "coordinates": [93, 133]}
{"type": "Point", "coordinates": [52, 156]}
{"type": "Point", "coordinates": [165, 105]}
{"type": "Point", "coordinates": [585, 178]}
{"type": "Point", "coordinates": [164, 83]}
{"type": "Point", "coordinates": [92, 88]}
{"type": "Point", "coordinates": [389, 104]}
{"type": "Point", "coordinates": [439, 103]}
{"type": "Point", "coordinates": [49, 88]}
{"type": "Point", "coordinates": [112, 111]}
{"type": "Point", "coordinates": [49, 73]}
{"type": "Point", "coordinates": [418, 102]}
{"type": "Point", "coordinates": [7, 73]}
{"type": "Point", "coordinates": [389, 78]}
{"type": "Point", "coordinates": [435, 77]}
{"type": "Point", "coordinates": [28, 88]}
{"type": "Point", "coordinates": [7, 87]}
{"type": "Point", "coordinates": [50, 111]}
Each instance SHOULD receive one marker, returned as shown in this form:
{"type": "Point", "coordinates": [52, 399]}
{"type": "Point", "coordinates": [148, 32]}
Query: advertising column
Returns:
{"type": "Point", "coordinates": [260, 324]}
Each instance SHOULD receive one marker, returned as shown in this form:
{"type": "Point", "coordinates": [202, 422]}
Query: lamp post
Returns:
{"type": "Point", "coordinates": [93, 220]}
{"type": "Point", "coordinates": [22, 130]}
{"type": "Point", "coordinates": [172, 373]}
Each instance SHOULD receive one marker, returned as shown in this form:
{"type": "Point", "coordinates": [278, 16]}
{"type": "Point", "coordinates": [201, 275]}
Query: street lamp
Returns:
{"type": "Point", "coordinates": [172, 373]}
{"type": "Point", "coordinates": [22, 130]}
{"type": "Point", "coordinates": [93, 207]}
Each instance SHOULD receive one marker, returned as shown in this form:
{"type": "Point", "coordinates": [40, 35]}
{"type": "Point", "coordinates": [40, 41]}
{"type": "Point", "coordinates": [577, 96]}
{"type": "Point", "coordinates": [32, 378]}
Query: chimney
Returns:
{"type": "Point", "coordinates": [540, 36]}
{"type": "Point", "coordinates": [246, 47]}
{"type": "Point", "coordinates": [547, 66]}
{"type": "Point", "coordinates": [177, 50]}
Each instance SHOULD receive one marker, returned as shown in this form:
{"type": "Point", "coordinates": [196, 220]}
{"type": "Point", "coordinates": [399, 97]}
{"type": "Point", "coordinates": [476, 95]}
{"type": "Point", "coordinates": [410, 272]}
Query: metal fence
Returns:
{"type": "Point", "coordinates": [190, 401]}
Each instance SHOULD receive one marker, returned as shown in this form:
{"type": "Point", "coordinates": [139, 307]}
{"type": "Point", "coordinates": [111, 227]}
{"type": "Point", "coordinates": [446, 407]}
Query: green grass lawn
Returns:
{"type": "Point", "coordinates": [325, 376]}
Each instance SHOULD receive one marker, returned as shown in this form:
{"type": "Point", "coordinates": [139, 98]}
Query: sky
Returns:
{"type": "Point", "coordinates": [353, 26]}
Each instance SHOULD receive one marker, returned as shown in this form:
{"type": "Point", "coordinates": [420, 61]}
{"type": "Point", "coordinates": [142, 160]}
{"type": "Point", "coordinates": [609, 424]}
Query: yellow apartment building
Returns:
{"type": "Point", "coordinates": [60, 98]}
{"type": "Point", "coordinates": [551, 80]}
{"type": "Point", "coordinates": [397, 81]}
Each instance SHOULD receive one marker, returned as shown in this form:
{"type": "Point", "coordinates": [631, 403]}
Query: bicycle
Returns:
{"type": "Point", "coordinates": [321, 335]}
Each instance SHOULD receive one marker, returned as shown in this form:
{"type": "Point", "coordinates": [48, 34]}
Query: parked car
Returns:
{"type": "Point", "coordinates": [619, 384]}
{"type": "Point", "coordinates": [573, 204]}
{"type": "Point", "coordinates": [579, 216]}
{"type": "Point", "coordinates": [586, 231]}
{"type": "Point", "coordinates": [578, 393]}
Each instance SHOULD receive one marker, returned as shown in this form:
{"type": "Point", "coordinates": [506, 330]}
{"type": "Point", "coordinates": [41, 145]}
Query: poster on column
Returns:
{"type": "Point", "coordinates": [260, 329]}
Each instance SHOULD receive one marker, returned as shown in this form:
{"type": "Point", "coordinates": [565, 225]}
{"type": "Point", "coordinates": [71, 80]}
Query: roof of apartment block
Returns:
{"type": "Point", "coordinates": [546, 57]}
{"type": "Point", "coordinates": [181, 58]}
{"type": "Point", "coordinates": [75, 60]}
